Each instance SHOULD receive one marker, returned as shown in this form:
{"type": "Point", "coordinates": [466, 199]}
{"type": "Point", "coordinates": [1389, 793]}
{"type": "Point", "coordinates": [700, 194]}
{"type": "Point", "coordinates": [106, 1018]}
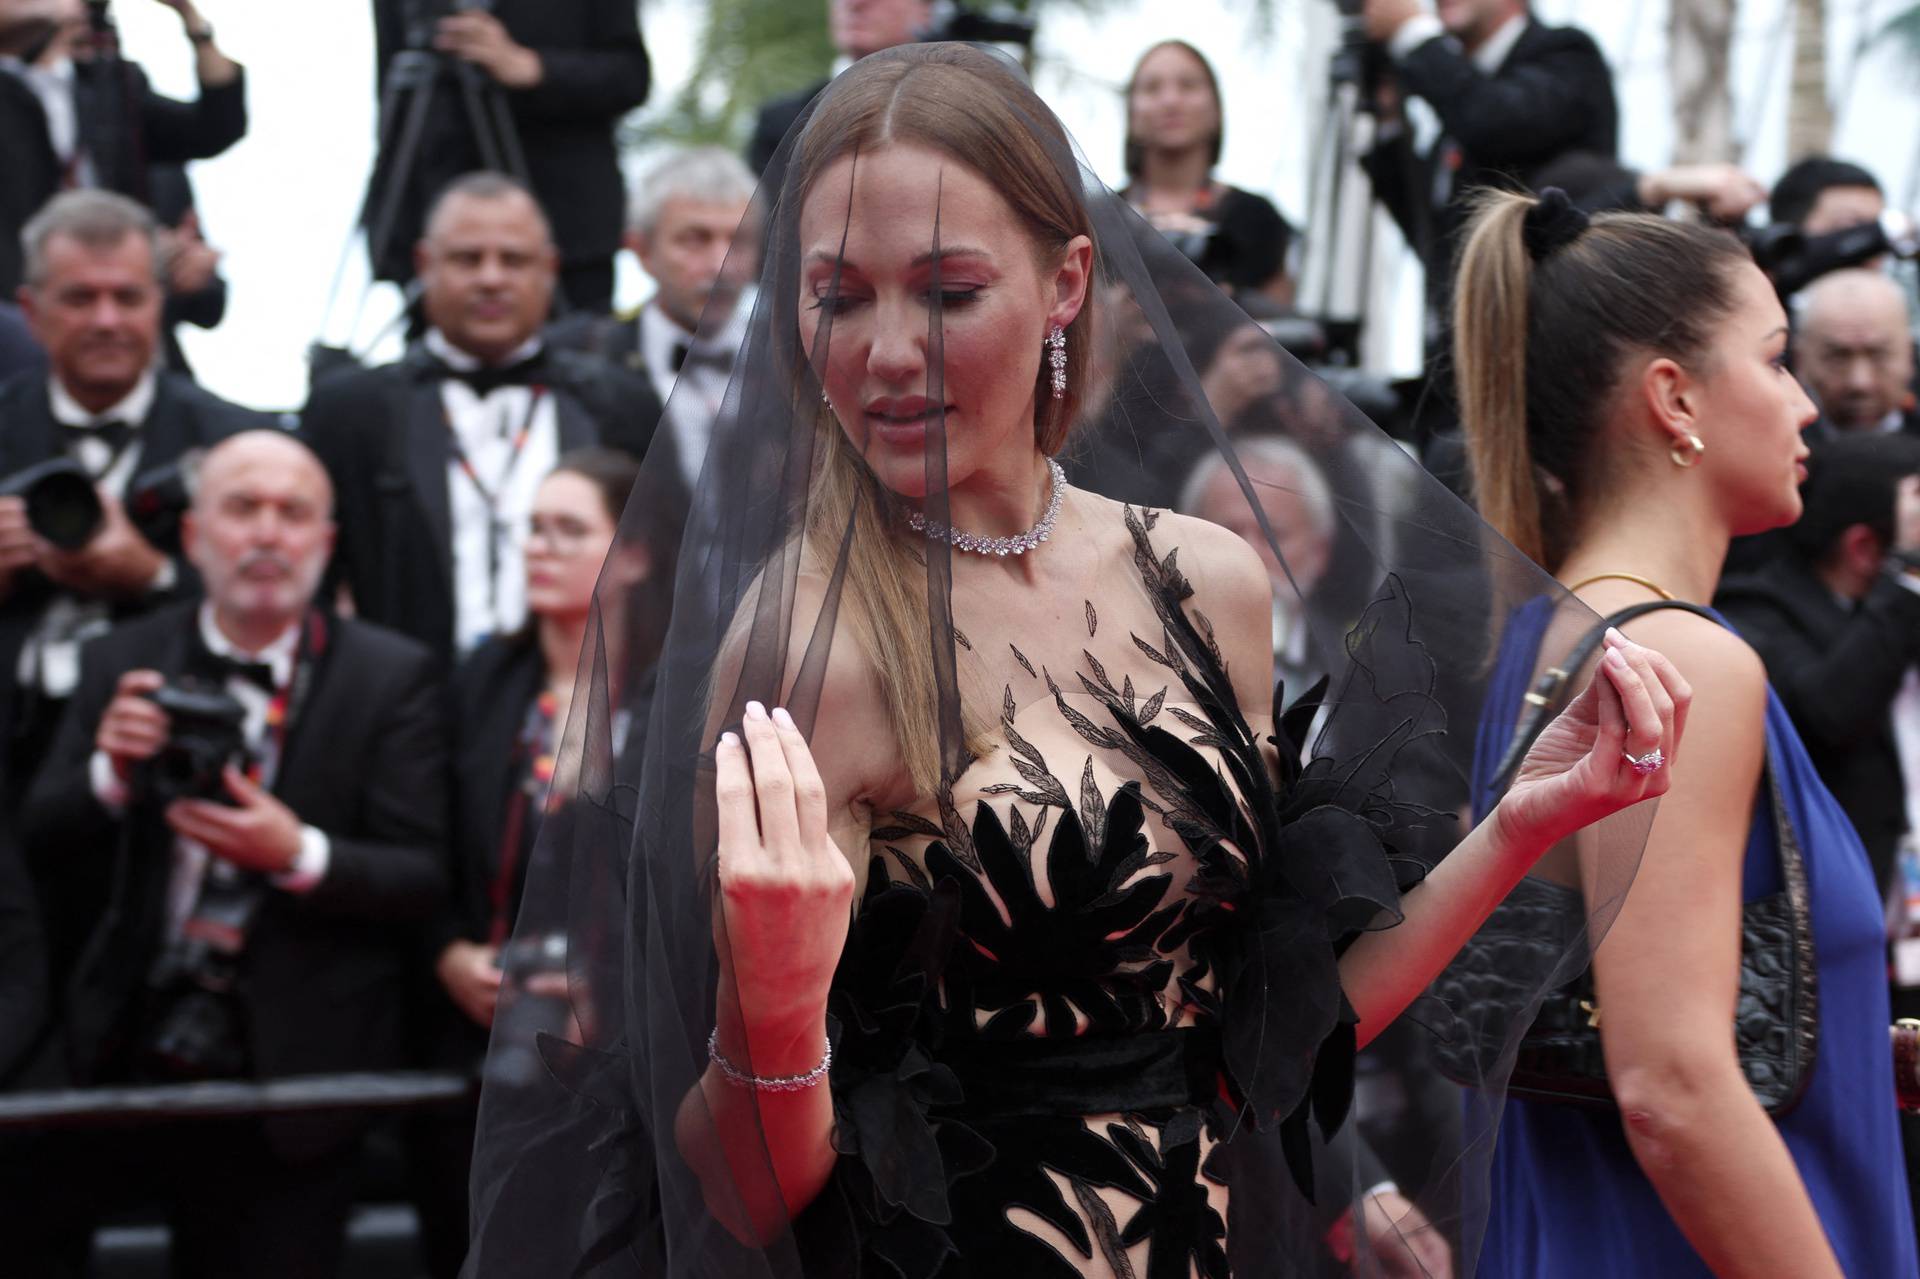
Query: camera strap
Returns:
{"type": "Point", "coordinates": [283, 711]}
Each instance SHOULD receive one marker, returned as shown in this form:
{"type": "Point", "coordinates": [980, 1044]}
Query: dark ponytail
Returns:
{"type": "Point", "coordinates": [1542, 326]}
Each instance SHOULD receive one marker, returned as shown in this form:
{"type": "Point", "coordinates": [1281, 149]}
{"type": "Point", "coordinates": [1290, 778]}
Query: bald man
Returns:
{"type": "Point", "coordinates": [1853, 348]}
{"type": "Point", "coordinates": [437, 457]}
{"type": "Point", "coordinates": [261, 907]}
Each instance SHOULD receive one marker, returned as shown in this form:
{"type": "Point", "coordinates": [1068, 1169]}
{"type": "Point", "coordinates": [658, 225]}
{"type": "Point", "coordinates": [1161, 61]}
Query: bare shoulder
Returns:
{"type": "Point", "coordinates": [1231, 590]}
{"type": "Point", "coordinates": [1727, 721]}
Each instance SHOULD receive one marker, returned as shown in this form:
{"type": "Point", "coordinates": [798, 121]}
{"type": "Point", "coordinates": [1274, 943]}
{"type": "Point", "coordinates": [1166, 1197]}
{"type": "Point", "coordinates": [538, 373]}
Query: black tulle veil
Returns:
{"type": "Point", "coordinates": [612, 976]}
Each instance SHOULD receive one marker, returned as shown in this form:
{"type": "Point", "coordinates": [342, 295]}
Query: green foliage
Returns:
{"type": "Point", "coordinates": [1903, 32]}
{"type": "Point", "coordinates": [749, 51]}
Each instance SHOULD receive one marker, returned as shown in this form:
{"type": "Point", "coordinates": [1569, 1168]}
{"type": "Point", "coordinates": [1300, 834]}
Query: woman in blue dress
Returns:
{"type": "Point", "coordinates": [1629, 412]}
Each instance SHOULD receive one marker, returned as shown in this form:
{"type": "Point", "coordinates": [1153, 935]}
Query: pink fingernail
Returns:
{"type": "Point", "coordinates": [781, 717]}
{"type": "Point", "coordinates": [1614, 636]}
{"type": "Point", "coordinates": [1616, 659]}
{"type": "Point", "coordinates": [756, 711]}
{"type": "Point", "coordinates": [728, 739]}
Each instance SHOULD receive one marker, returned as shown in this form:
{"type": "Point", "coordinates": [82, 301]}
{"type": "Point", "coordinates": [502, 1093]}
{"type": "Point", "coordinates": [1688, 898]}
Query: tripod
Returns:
{"type": "Point", "coordinates": [1338, 275]}
{"type": "Point", "coordinates": [407, 98]}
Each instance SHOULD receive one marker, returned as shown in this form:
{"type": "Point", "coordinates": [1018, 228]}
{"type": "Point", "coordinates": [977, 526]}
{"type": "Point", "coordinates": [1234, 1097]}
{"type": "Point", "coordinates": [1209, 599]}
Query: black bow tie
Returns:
{"type": "Point", "coordinates": [115, 435]}
{"type": "Point", "coordinates": [686, 353]}
{"type": "Point", "coordinates": [229, 668]}
{"type": "Point", "coordinates": [486, 379]}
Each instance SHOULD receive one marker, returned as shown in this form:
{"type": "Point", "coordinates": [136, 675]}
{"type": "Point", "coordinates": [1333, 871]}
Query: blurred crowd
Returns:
{"type": "Point", "coordinates": [283, 692]}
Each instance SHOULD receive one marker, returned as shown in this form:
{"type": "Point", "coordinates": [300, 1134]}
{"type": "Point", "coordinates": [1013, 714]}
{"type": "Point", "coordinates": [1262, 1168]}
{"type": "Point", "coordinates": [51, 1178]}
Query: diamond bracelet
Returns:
{"type": "Point", "coordinates": [775, 1083]}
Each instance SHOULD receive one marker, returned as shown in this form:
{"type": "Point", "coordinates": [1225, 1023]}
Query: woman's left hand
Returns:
{"type": "Point", "coordinates": [1578, 770]}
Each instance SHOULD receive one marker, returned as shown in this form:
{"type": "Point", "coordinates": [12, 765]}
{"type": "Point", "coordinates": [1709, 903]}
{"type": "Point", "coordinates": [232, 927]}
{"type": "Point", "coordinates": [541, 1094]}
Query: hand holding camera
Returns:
{"type": "Point", "coordinates": [117, 561]}
{"type": "Point", "coordinates": [18, 546]}
{"type": "Point", "coordinates": [478, 37]}
{"type": "Point", "coordinates": [470, 972]}
{"type": "Point", "coordinates": [255, 832]}
{"type": "Point", "coordinates": [134, 729]}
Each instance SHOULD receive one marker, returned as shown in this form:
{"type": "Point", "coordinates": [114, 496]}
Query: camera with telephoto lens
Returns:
{"type": "Point", "coordinates": [1792, 259]}
{"type": "Point", "coordinates": [62, 506]}
{"type": "Point", "coordinates": [206, 732]}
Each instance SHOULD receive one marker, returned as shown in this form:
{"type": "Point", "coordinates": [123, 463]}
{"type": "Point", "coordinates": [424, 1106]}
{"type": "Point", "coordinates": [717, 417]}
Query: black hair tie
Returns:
{"type": "Point", "coordinates": [1552, 224]}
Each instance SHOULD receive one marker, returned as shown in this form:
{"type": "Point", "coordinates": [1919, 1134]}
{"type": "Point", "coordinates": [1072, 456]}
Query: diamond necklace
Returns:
{"type": "Point", "coordinates": [1019, 543]}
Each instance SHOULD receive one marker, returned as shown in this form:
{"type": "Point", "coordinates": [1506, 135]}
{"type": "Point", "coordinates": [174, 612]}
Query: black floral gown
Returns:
{"type": "Point", "coordinates": [1099, 966]}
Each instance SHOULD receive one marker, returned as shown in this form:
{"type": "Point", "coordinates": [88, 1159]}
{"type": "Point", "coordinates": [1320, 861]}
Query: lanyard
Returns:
{"type": "Point", "coordinates": [287, 701]}
{"type": "Point", "coordinates": [497, 530]}
{"type": "Point", "coordinates": [534, 752]}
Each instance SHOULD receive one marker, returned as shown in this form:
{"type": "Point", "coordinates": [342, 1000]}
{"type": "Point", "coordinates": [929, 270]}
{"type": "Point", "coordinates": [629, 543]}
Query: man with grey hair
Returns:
{"type": "Point", "coordinates": [688, 224]}
{"type": "Point", "coordinates": [1854, 349]}
{"type": "Point", "coordinates": [263, 911]}
{"type": "Point", "coordinates": [92, 298]}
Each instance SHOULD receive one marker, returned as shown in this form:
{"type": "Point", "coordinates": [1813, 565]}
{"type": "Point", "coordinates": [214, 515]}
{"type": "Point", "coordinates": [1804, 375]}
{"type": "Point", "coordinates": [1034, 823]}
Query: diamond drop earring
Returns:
{"type": "Point", "coordinates": [1057, 357]}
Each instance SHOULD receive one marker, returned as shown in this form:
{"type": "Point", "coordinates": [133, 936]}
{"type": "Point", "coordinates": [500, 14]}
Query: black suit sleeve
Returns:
{"type": "Point", "coordinates": [607, 76]}
{"type": "Point", "coordinates": [392, 866]}
{"type": "Point", "coordinates": [1521, 117]}
{"type": "Point", "coordinates": [66, 830]}
{"type": "Point", "coordinates": [199, 130]}
{"type": "Point", "coordinates": [1395, 168]}
{"type": "Point", "coordinates": [1837, 690]}
{"type": "Point", "coordinates": [328, 427]}
{"type": "Point", "coordinates": [769, 126]}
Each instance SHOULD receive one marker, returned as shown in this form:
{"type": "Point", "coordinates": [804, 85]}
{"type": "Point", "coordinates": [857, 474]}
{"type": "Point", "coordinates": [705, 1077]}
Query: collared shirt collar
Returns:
{"type": "Point", "coordinates": [1490, 56]}
{"type": "Point", "coordinates": [455, 358]}
{"type": "Point", "coordinates": [278, 655]}
{"type": "Point", "coordinates": [132, 410]}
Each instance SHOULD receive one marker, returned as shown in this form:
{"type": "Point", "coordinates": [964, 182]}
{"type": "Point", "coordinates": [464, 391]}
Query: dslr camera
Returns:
{"type": "Point", "coordinates": [206, 733]}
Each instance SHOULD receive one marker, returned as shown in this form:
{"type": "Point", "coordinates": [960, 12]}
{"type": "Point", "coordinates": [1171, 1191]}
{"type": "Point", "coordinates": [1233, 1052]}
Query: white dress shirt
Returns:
{"type": "Point", "coordinates": [190, 858]}
{"type": "Point", "coordinates": [489, 540]}
{"type": "Point", "coordinates": [694, 393]}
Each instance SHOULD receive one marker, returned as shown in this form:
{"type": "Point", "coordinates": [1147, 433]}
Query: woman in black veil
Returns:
{"type": "Point", "coordinates": [969, 906]}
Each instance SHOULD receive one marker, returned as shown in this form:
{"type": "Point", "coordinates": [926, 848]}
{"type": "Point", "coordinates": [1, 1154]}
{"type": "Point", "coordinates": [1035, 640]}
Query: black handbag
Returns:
{"type": "Point", "coordinates": [1776, 1021]}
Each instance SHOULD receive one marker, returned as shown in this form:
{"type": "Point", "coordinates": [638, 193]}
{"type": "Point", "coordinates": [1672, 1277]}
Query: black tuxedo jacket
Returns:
{"type": "Point", "coordinates": [365, 762]}
{"type": "Point", "coordinates": [773, 122]}
{"type": "Point", "coordinates": [1837, 673]}
{"type": "Point", "coordinates": [383, 436]}
{"type": "Point", "coordinates": [183, 417]}
{"type": "Point", "coordinates": [1553, 95]}
{"type": "Point", "coordinates": [596, 70]}
{"type": "Point", "coordinates": [107, 98]}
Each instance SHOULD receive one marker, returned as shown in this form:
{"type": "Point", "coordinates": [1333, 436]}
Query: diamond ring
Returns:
{"type": "Point", "coordinates": [1643, 765]}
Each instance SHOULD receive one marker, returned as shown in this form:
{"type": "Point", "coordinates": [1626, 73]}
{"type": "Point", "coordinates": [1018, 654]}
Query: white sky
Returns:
{"type": "Point", "coordinates": [282, 202]}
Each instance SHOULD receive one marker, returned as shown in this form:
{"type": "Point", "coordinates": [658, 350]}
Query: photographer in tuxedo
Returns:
{"type": "Point", "coordinates": [93, 300]}
{"type": "Point", "coordinates": [1512, 94]}
{"type": "Point", "coordinates": [436, 458]}
{"type": "Point", "coordinates": [568, 70]}
{"type": "Point", "coordinates": [263, 786]}
{"type": "Point", "coordinates": [73, 113]}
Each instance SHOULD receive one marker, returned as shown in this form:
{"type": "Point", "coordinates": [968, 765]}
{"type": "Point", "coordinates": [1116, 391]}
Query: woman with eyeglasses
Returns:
{"type": "Point", "coordinates": [511, 700]}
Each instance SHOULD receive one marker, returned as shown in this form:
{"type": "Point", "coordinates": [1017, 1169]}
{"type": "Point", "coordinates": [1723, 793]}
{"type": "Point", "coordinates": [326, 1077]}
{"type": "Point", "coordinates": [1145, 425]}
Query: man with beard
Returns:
{"type": "Point", "coordinates": [262, 910]}
{"type": "Point", "coordinates": [93, 301]}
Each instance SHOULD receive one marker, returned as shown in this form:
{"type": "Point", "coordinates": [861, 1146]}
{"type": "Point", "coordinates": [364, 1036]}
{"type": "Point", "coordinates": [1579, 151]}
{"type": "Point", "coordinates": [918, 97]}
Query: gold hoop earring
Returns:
{"type": "Point", "coordinates": [1687, 453]}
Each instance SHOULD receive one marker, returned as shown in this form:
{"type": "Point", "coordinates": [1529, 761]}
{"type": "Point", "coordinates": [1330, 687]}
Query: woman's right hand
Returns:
{"type": "Point", "coordinates": [786, 896]}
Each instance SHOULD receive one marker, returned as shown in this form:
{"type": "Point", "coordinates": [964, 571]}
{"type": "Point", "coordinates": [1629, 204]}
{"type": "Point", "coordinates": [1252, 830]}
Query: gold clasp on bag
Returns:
{"type": "Point", "coordinates": [1592, 1010]}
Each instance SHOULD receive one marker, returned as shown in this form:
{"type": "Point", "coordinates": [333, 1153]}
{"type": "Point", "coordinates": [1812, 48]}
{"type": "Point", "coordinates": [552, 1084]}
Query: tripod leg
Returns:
{"type": "Point", "coordinates": [397, 176]}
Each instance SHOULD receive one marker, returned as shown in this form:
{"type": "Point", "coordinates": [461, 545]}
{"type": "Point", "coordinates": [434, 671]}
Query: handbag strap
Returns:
{"type": "Point", "coordinates": [1544, 702]}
